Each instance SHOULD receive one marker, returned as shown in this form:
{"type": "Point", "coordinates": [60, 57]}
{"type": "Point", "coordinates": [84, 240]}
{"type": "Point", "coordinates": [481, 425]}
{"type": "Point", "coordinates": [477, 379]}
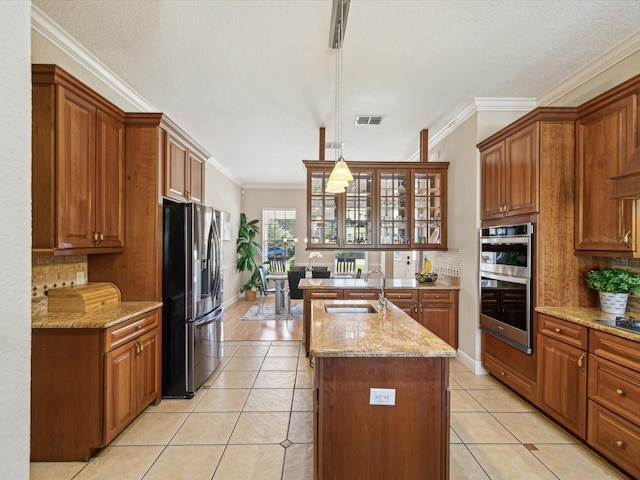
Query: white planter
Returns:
{"type": "Point", "coordinates": [613, 302]}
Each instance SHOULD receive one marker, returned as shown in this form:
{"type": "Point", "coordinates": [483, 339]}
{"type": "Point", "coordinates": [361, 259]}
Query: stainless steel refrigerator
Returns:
{"type": "Point", "coordinates": [192, 297]}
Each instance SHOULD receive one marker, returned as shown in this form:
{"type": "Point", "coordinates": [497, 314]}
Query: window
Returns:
{"type": "Point", "coordinates": [278, 234]}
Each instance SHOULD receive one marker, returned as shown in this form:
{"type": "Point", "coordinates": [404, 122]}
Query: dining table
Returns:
{"type": "Point", "coordinates": [279, 279]}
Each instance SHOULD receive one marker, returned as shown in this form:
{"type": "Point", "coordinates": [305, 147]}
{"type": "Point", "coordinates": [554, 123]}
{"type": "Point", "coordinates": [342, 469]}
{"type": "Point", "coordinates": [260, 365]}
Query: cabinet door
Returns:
{"type": "Point", "coordinates": [75, 170]}
{"type": "Point", "coordinates": [195, 192]}
{"type": "Point", "coordinates": [438, 318]}
{"type": "Point", "coordinates": [322, 211]}
{"type": "Point", "coordinates": [176, 169]}
{"type": "Point", "coordinates": [562, 383]}
{"type": "Point", "coordinates": [429, 213]}
{"type": "Point", "coordinates": [148, 381]}
{"type": "Point", "coordinates": [358, 212]}
{"type": "Point", "coordinates": [393, 208]}
{"type": "Point", "coordinates": [521, 172]}
{"type": "Point", "coordinates": [120, 397]}
{"type": "Point", "coordinates": [109, 192]}
{"type": "Point", "coordinates": [604, 142]}
{"type": "Point", "coordinates": [492, 164]}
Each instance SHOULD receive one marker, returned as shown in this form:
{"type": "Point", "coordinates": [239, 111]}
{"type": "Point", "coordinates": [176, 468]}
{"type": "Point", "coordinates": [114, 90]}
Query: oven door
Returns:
{"type": "Point", "coordinates": [505, 309]}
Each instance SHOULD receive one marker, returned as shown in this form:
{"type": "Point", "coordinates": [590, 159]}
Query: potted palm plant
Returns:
{"type": "Point", "coordinates": [614, 286]}
{"type": "Point", "coordinates": [247, 248]}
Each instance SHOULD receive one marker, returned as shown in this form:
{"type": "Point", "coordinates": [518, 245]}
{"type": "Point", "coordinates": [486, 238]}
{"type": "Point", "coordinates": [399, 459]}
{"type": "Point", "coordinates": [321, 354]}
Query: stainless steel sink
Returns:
{"type": "Point", "coordinates": [350, 308]}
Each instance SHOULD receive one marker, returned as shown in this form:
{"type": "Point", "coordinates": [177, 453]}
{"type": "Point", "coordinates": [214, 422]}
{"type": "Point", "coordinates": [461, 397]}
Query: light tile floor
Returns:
{"type": "Point", "coordinates": [252, 420]}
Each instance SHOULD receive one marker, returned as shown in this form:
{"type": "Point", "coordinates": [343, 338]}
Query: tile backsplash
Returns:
{"type": "Point", "coordinates": [447, 263]}
{"type": "Point", "coordinates": [48, 271]}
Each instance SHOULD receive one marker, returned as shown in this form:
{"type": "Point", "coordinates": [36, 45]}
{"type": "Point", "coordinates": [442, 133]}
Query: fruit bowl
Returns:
{"type": "Point", "coordinates": [430, 277]}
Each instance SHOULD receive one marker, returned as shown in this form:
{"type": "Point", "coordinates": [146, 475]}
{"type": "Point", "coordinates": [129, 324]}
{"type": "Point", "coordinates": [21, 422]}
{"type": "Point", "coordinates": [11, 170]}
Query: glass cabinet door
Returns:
{"type": "Point", "coordinates": [393, 209]}
{"type": "Point", "coordinates": [323, 220]}
{"type": "Point", "coordinates": [358, 216]}
{"type": "Point", "coordinates": [427, 199]}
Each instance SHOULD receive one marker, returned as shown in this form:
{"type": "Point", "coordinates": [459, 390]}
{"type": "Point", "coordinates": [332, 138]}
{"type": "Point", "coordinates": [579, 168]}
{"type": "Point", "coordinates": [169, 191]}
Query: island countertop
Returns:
{"type": "Point", "coordinates": [383, 334]}
{"type": "Point", "coordinates": [99, 318]}
{"type": "Point", "coordinates": [444, 282]}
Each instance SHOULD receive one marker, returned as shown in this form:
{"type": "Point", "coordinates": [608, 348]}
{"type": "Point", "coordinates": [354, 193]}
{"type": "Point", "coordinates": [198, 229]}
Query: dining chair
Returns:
{"type": "Point", "coordinates": [265, 290]}
{"type": "Point", "coordinates": [276, 265]}
{"type": "Point", "coordinates": [318, 268]}
{"type": "Point", "coordinates": [346, 265]}
{"type": "Point", "coordinates": [295, 293]}
{"type": "Point", "coordinates": [359, 273]}
{"type": "Point", "coordinates": [320, 273]}
{"type": "Point", "coordinates": [298, 268]}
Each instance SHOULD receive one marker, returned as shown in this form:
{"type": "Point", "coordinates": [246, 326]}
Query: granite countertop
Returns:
{"type": "Point", "coordinates": [444, 282]}
{"type": "Point", "coordinates": [585, 316]}
{"type": "Point", "coordinates": [99, 318]}
{"type": "Point", "coordinates": [384, 334]}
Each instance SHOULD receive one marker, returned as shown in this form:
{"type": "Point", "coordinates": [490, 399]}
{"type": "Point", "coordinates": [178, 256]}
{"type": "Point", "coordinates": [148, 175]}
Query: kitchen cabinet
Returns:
{"type": "Point", "coordinates": [510, 175]}
{"type": "Point", "coordinates": [387, 206]}
{"type": "Point", "coordinates": [341, 220]}
{"type": "Point", "coordinates": [512, 162]}
{"type": "Point", "coordinates": [606, 136]}
{"type": "Point", "coordinates": [78, 167]}
{"type": "Point", "coordinates": [562, 372]}
{"type": "Point", "coordinates": [138, 270]}
{"type": "Point", "coordinates": [614, 399]}
{"type": "Point", "coordinates": [183, 171]}
{"type": "Point", "coordinates": [438, 312]}
{"type": "Point", "coordinates": [88, 384]}
{"type": "Point", "coordinates": [405, 300]}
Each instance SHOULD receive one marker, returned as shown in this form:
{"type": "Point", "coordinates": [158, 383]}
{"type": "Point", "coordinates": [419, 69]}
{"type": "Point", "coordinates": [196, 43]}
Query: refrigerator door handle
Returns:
{"type": "Point", "coordinates": [190, 354]}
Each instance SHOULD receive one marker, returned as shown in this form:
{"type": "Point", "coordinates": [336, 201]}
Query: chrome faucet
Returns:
{"type": "Point", "coordinates": [382, 302]}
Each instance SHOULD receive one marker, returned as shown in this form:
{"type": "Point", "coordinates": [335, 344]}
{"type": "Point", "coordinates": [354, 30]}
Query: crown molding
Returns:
{"type": "Point", "coordinates": [46, 27]}
{"type": "Point", "coordinates": [605, 61]}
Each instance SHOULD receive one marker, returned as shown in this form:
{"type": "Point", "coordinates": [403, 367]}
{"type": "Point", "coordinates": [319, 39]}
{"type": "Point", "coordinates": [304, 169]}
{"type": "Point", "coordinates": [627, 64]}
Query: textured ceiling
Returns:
{"type": "Point", "coordinates": [252, 81]}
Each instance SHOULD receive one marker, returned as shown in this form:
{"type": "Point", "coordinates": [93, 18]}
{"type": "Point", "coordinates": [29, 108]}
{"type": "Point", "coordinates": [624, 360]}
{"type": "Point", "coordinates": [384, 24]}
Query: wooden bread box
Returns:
{"type": "Point", "coordinates": [83, 298]}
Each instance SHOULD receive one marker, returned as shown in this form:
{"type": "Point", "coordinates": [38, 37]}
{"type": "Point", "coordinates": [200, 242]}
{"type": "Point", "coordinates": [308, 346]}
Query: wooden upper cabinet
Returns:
{"type": "Point", "coordinates": [511, 160]}
{"type": "Point", "coordinates": [510, 175]}
{"type": "Point", "coordinates": [183, 171]}
{"type": "Point", "coordinates": [604, 142]}
{"type": "Point", "coordinates": [388, 205]}
{"type": "Point", "coordinates": [78, 166]}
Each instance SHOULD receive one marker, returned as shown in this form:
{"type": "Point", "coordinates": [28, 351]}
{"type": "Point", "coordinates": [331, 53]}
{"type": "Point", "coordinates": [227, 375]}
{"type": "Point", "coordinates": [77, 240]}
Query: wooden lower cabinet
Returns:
{"type": "Point", "coordinates": [88, 384]}
{"type": "Point", "coordinates": [438, 312]}
{"type": "Point", "coordinates": [511, 366]}
{"type": "Point", "coordinates": [353, 439]}
{"type": "Point", "coordinates": [406, 300]}
{"type": "Point", "coordinates": [562, 384]}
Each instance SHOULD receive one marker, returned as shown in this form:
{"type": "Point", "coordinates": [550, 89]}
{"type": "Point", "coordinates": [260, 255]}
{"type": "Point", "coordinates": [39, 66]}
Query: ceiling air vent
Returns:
{"type": "Point", "coordinates": [369, 119]}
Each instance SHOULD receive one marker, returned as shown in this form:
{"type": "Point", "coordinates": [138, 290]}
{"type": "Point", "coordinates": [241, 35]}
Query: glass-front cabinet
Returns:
{"type": "Point", "coordinates": [391, 206]}
{"type": "Point", "coordinates": [340, 220]}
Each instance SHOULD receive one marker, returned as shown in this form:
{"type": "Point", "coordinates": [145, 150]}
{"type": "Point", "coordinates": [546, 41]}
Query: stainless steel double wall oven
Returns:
{"type": "Point", "coordinates": [506, 254]}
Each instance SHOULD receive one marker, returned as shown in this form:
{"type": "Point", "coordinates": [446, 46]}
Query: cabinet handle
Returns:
{"type": "Point", "coordinates": [187, 195]}
{"type": "Point", "coordinates": [141, 347]}
{"type": "Point", "coordinates": [620, 392]}
{"type": "Point", "coordinates": [506, 207]}
{"type": "Point", "coordinates": [580, 362]}
{"type": "Point", "coordinates": [620, 443]}
{"type": "Point", "coordinates": [437, 296]}
{"type": "Point", "coordinates": [627, 238]}
{"type": "Point", "coordinates": [415, 309]}
{"type": "Point", "coordinates": [502, 373]}
{"type": "Point", "coordinates": [94, 235]}
{"type": "Point", "coordinates": [557, 330]}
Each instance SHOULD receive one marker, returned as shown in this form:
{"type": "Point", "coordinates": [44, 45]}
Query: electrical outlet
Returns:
{"type": "Point", "coordinates": [79, 278]}
{"type": "Point", "coordinates": [382, 396]}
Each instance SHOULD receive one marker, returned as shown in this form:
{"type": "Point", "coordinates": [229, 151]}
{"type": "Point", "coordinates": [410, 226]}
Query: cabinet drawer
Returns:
{"type": "Point", "coordinates": [408, 295]}
{"type": "Point", "coordinates": [361, 294]}
{"type": "Point", "coordinates": [510, 377]}
{"type": "Point", "coordinates": [326, 294]}
{"type": "Point", "coordinates": [123, 332]}
{"type": "Point", "coordinates": [614, 348]}
{"type": "Point", "coordinates": [567, 332]}
{"type": "Point", "coordinates": [615, 387]}
{"type": "Point", "coordinates": [437, 295]}
{"type": "Point", "coordinates": [615, 437]}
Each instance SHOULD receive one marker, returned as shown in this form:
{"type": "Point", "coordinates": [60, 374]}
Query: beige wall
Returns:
{"type": "Point", "coordinates": [15, 221]}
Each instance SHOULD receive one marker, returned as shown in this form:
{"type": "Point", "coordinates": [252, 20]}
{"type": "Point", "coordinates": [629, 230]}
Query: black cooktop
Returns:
{"type": "Point", "coordinates": [624, 323]}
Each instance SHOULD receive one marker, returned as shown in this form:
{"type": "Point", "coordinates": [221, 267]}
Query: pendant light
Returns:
{"type": "Point", "coordinates": [340, 175]}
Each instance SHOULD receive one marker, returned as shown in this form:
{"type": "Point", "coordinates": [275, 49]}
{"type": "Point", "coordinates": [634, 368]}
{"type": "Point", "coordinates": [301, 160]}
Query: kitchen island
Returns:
{"type": "Point", "coordinates": [434, 305]}
{"type": "Point", "coordinates": [356, 352]}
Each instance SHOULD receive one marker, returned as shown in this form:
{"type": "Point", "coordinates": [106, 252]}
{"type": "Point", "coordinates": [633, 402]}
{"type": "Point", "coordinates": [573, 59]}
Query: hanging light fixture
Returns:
{"type": "Point", "coordinates": [340, 175]}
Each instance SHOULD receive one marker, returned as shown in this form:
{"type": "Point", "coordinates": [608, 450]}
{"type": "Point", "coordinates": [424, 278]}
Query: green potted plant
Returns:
{"type": "Point", "coordinates": [614, 286]}
{"type": "Point", "coordinates": [247, 249]}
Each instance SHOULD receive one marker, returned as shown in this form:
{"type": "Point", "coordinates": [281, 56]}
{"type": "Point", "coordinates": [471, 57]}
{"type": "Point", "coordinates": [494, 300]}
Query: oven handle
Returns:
{"type": "Point", "coordinates": [504, 278]}
{"type": "Point", "coordinates": [504, 240]}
